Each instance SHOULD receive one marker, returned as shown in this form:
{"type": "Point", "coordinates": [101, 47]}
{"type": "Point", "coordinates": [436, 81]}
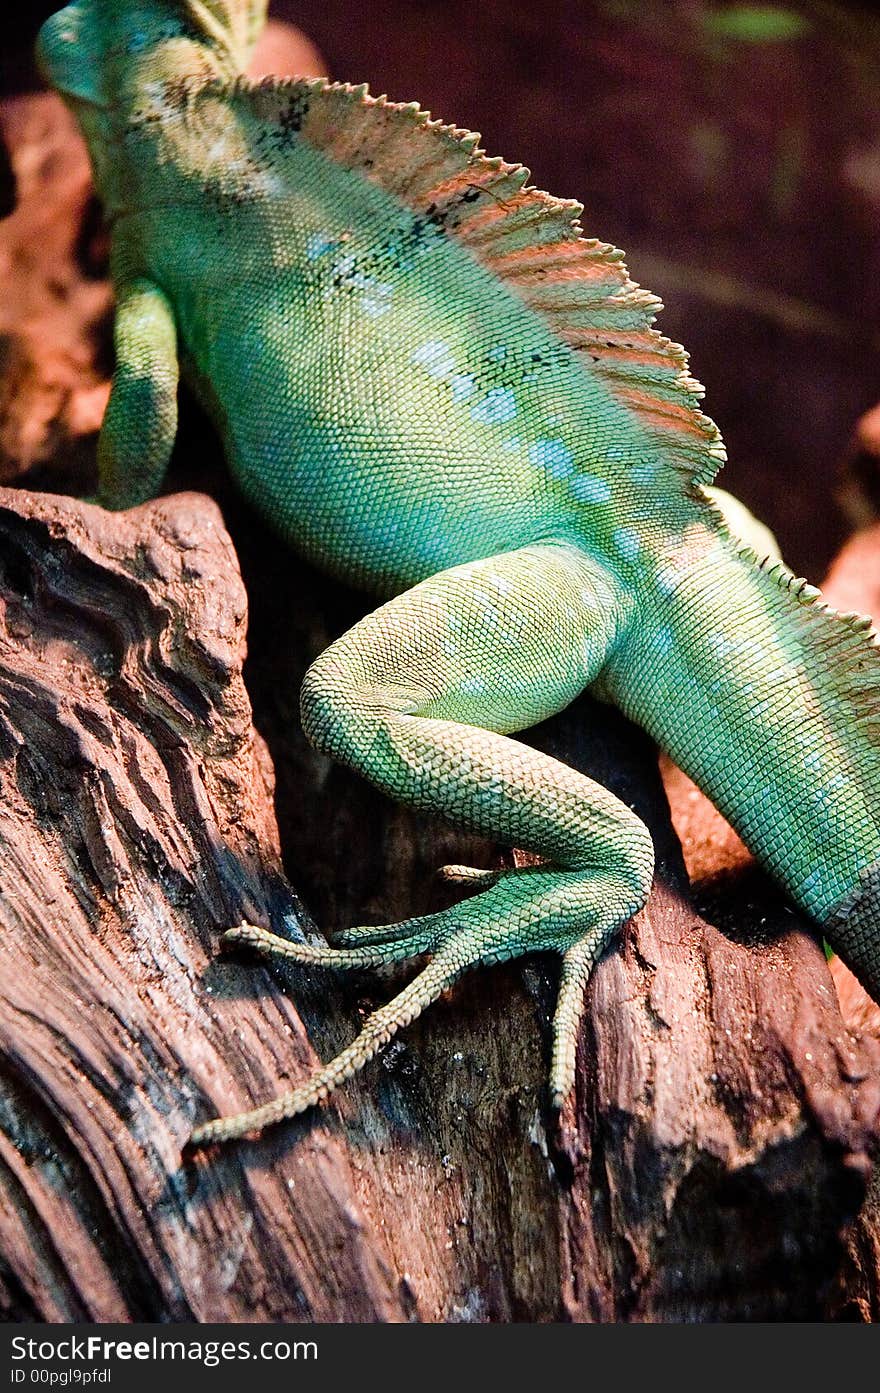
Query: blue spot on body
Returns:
{"type": "Point", "coordinates": [586, 488]}
{"type": "Point", "coordinates": [385, 531]}
{"type": "Point", "coordinates": [463, 386]}
{"type": "Point", "coordinates": [512, 444]}
{"type": "Point", "coordinates": [435, 357]}
{"type": "Point", "coordinates": [667, 578]}
{"type": "Point", "coordinates": [497, 407]}
{"type": "Point", "coordinates": [812, 885]}
{"type": "Point", "coordinates": [374, 307]}
{"type": "Point", "coordinates": [626, 540]}
{"type": "Point", "coordinates": [553, 456]}
{"type": "Point", "coordinates": [318, 244]}
{"type": "Point", "coordinates": [377, 299]}
{"type": "Point", "coordinates": [472, 686]}
{"type": "Point", "coordinates": [644, 473]}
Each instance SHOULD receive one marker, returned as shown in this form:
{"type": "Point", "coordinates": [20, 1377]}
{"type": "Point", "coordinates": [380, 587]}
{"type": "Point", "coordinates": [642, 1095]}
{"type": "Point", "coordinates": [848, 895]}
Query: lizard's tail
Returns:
{"type": "Point", "coordinates": [770, 700]}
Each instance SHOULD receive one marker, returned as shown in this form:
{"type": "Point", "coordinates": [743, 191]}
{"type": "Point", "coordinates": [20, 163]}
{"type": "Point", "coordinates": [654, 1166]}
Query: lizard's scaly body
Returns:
{"type": "Point", "coordinates": [434, 388]}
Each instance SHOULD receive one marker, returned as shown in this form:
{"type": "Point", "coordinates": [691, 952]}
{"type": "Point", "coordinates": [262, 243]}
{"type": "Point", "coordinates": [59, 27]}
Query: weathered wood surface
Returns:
{"type": "Point", "coordinates": [135, 818]}
{"type": "Point", "coordinates": [56, 303]}
{"type": "Point", "coordinates": [716, 1150]}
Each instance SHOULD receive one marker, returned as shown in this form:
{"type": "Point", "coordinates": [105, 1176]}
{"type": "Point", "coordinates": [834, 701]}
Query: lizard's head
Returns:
{"type": "Point", "coordinates": [67, 47]}
{"type": "Point", "coordinates": [104, 55]}
{"type": "Point", "coordinates": [94, 51]}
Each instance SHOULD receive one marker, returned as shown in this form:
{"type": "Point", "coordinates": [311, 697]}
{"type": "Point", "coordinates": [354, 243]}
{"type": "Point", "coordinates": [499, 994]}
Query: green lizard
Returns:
{"type": "Point", "coordinates": [433, 385]}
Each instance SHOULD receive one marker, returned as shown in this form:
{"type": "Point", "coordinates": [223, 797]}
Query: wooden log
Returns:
{"type": "Point", "coordinates": [136, 816]}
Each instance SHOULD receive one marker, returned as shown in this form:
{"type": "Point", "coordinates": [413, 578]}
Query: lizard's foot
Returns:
{"type": "Point", "coordinates": [403, 940]}
{"type": "Point", "coordinates": [419, 697]}
{"type": "Point", "coordinates": [573, 912]}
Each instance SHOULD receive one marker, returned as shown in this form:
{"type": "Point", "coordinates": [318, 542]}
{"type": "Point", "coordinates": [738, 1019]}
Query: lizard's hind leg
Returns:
{"type": "Point", "coordinates": [419, 697]}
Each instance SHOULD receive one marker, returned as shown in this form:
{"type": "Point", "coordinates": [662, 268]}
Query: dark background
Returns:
{"type": "Point", "coordinates": [733, 151]}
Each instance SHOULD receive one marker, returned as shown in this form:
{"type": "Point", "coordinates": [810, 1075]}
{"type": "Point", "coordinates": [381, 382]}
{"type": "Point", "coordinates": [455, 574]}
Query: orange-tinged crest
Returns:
{"type": "Point", "coordinates": [528, 239]}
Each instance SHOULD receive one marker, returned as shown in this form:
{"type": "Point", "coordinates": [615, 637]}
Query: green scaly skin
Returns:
{"type": "Point", "coordinates": [409, 422]}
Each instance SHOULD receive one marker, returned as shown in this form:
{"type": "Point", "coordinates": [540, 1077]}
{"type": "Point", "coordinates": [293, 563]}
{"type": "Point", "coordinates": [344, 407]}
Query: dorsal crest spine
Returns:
{"type": "Point", "coordinates": [530, 240]}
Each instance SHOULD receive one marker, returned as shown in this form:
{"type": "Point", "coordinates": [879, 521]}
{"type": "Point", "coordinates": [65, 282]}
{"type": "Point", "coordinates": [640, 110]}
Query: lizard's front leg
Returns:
{"type": "Point", "coordinates": [418, 697]}
{"type": "Point", "coordinates": [140, 422]}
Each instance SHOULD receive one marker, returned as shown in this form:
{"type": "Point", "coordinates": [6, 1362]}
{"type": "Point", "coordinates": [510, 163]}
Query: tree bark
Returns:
{"type": "Point", "coordinates": [136, 816]}
{"type": "Point", "coordinates": [714, 1160]}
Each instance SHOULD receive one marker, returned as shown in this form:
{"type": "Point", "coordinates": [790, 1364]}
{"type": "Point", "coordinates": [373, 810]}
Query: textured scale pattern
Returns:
{"type": "Point", "coordinates": [434, 385]}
